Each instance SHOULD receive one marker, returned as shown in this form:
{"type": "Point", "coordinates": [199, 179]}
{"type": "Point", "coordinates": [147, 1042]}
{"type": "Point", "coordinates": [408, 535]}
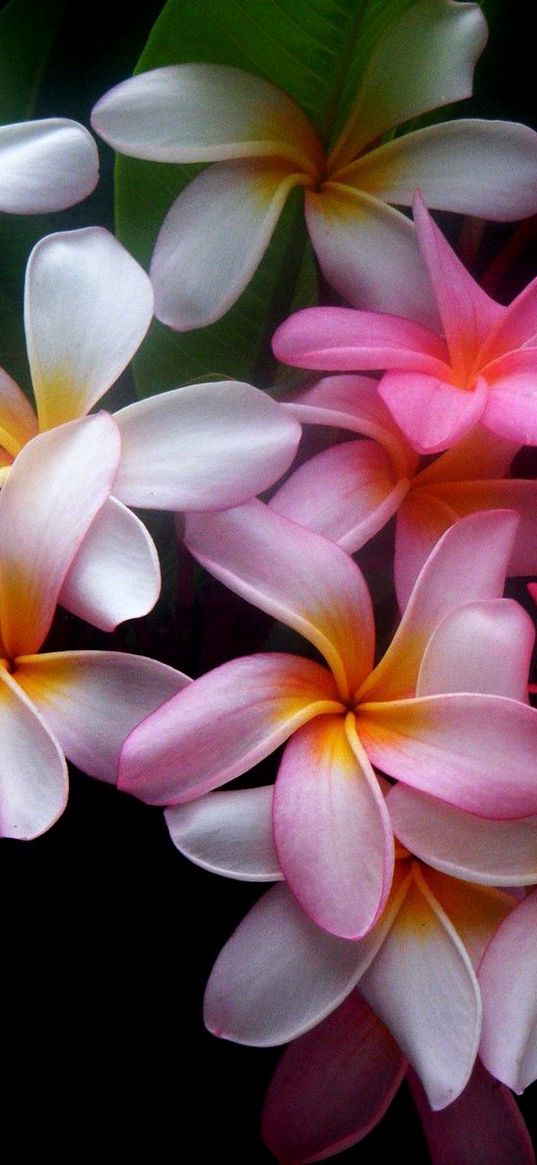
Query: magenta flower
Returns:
{"type": "Point", "coordinates": [438, 386]}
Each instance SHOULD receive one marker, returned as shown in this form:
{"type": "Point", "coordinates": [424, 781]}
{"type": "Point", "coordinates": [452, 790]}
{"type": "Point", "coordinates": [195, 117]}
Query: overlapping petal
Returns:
{"type": "Point", "coordinates": [508, 980]}
{"type": "Point", "coordinates": [46, 165]}
{"type": "Point", "coordinates": [34, 787]}
{"type": "Point", "coordinates": [17, 418]}
{"type": "Point", "coordinates": [504, 635]}
{"type": "Point", "coordinates": [340, 337]}
{"type": "Point", "coordinates": [432, 412]}
{"type": "Point", "coordinates": [229, 833]}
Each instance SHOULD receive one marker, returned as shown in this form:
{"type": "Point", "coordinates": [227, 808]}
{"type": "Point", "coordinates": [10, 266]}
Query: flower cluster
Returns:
{"type": "Point", "coordinates": [400, 831]}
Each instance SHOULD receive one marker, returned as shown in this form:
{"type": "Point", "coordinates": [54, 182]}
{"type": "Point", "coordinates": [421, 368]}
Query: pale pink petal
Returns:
{"type": "Point", "coordinates": [347, 493]}
{"type": "Point", "coordinates": [34, 782]}
{"type": "Point", "coordinates": [421, 521]}
{"type": "Point", "coordinates": [332, 1085]}
{"type": "Point", "coordinates": [200, 112]}
{"type": "Point", "coordinates": [515, 494]}
{"type": "Point", "coordinates": [88, 305]}
{"type": "Point", "coordinates": [343, 339]}
{"type": "Point", "coordinates": [484, 1126]}
{"type": "Point", "coordinates": [331, 829]}
{"type": "Point", "coordinates": [213, 238]}
{"type": "Point", "coordinates": [203, 446]}
{"type": "Point", "coordinates": [228, 833]}
{"type": "Point", "coordinates": [92, 699]}
{"type": "Point", "coordinates": [441, 587]}
{"type": "Point", "coordinates": [501, 853]}
{"type": "Point", "coordinates": [295, 575]}
{"type": "Point", "coordinates": [18, 422]}
{"type": "Point", "coordinates": [480, 167]}
{"type": "Point", "coordinates": [484, 646]}
{"type": "Point", "coordinates": [475, 911]}
{"type": "Point", "coordinates": [279, 974]}
{"type": "Point", "coordinates": [54, 490]}
{"type": "Point", "coordinates": [46, 165]}
{"type": "Point", "coordinates": [474, 751]}
{"type": "Point", "coordinates": [508, 980]}
{"type": "Point", "coordinates": [432, 413]}
{"type": "Point", "coordinates": [222, 725]}
{"type": "Point", "coordinates": [369, 252]}
{"type": "Point", "coordinates": [115, 574]}
{"type": "Point", "coordinates": [422, 986]}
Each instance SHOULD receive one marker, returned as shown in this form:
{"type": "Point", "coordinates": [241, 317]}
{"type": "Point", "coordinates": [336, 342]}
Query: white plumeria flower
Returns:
{"type": "Point", "coordinates": [46, 165]}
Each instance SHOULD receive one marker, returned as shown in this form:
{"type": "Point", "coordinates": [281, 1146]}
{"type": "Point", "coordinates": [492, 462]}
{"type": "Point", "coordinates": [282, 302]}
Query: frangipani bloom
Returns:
{"type": "Point", "coordinates": [483, 368]}
{"type": "Point", "coordinates": [46, 165]}
{"type": "Point", "coordinates": [331, 827]}
{"type": "Point", "coordinates": [78, 704]}
{"type": "Point", "coordinates": [88, 305]}
{"type": "Point", "coordinates": [263, 145]}
{"type": "Point", "coordinates": [349, 491]}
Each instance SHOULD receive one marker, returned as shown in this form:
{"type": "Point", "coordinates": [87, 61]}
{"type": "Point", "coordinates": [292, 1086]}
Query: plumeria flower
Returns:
{"type": "Point", "coordinates": [46, 165]}
{"type": "Point", "coordinates": [350, 490]}
{"type": "Point", "coordinates": [88, 305]}
{"type": "Point", "coordinates": [263, 145]}
{"type": "Point", "coordinates": [406, 716]}
{"type": "Point", "coordinates": [483, 368]}
{"type": "Point", "coordinates": [75, 704]}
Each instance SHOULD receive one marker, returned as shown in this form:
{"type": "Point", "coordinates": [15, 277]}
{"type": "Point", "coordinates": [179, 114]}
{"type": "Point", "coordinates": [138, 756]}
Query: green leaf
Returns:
{"type": "Point", "coordinates": [316, 50]}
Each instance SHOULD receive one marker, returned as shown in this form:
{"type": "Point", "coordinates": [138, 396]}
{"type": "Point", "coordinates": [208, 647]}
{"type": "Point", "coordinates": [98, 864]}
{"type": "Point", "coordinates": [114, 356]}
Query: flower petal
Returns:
{"type": "Point", "coordinates": [202, 446]}
{"type": "Point", "coordinates": [200, 112]}
{"type": "Point", "coordinates": [499, 853]}
{"type": "Point", "coordinates": [295, 575]}
{"type": "Point", "coordinates": [115, 574]}
{"type": "Point", "coordinates": [34, 785]}
{"type": "Point", "coordinates": [432, 413]}
{"type": "Point", "coordinates": [475, 911]}
{"type": "Point", "coordinates": [200, 266]}
{"type": "Point", "coordinates": [228, 833]}
{"type": "Point", "coordinates": [332, 1085]}
{"type": "Point", "coordinates": [88, 305]}
{"type": "Point", "coordinates": [18, 422]}
{"type": "Point", "coordinates": [481, 455]}
{"type": "Point", "coordinates": [504, 635]}
{"type": "Point", "coordinates": [46, 165]}
{"type": "Point", "coordinates": [421, 521]}
{"type": "Point", "coordinates": [515, 494]}
{"type": "Point", "coordinates": [422, 986]}
{"type": "Point", "coordinates": [279, 974]}
{"type": "Point", "coordinates": [511, 407]}
{"type": "Point", "coordinates": [54, 490]}
{"type": "Point", "coordinates": [92, 699]}
{"type": "Point", "coordinates": [222, 725]}
{"type": "Point", "coordinates": [331, 829]}
{"type": "Point", "coordinates": [508, 980]}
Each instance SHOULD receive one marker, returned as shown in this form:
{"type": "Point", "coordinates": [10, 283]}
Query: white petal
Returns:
{"type": "Point", "coordinates": [228, 833]}
{"type": "Point", "coordinates": [34, 781]}
{"type": "Point", "coordinates": [46, 165]}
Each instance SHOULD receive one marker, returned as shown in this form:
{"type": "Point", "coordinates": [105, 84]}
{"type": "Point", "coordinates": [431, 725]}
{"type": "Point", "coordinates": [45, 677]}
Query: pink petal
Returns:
{"type": "Point", "coordinates": [503, 635]}
{"type": "Point", "coordinates": [432, 413]}
{"type": "Point", "coordinates": [279, 974]}
{"type": "Point", "coordinates": [204, 446]}
{"type": "Point", "coordinates": [222, 725]}
{"type": "Point", "coordinates": [517, 326]}
{"type": "Point", "coordinates": [54, 490]}
{"type": "Point", "coordinates": [228, 833]}
{"type": "Point", "coordinates": [34, 785]}
{"type": "Point", "coordinates": [46, 165]}
{"type": "Point", "coordinates": [295, 575]}
{"type": "Point", "coordinates": [421, 520]}
{"type": "Point", "coordinates": [92, 699]}
{"type": "Point", "coordinates": [115, 574]}
{"type": "Point", "coordinates": [508, 980]}
{"type": "Point", "coordinates": [480, 455]}
{"type": "Point", "coordinates": [512, 401]}
{"type": "Point", "coordinates": [343, 339]}
{"type": "Point", "coordinates": [512, 494]}
{"type": "Point", "coordinates": [331, 829]}
{"type": "Point", "coordinates": [332, 1085]}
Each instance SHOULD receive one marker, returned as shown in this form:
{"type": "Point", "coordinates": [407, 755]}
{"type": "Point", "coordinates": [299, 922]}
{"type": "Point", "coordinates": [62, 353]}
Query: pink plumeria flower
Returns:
{"type": "Point", "coordinates": [483, 368]}
{"type": "Point", "coordinates": [79, 704]}
{"type": "Point", "coordinates": [407, 716]}
{"type": "Point", "coordinates": [335, 1083]}
{"type": "Point", "coordinates": [88, 305]}
{"type": "Point", "coordinates": [46, 165]}
{"type": "Point", "coordinates": [263, 145]}
{"type": "Point", "coordinates": [350, 490]}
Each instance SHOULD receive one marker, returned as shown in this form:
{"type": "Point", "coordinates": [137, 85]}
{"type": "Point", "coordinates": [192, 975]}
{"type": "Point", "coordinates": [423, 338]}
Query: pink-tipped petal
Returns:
{"type": "Point", "coordinates": [508, 980]}
{"type": "Point", "coordinates": [46, 165]}
{"type": "Point", "coordinates": [229, 833]}
{"type": "Point", "coordinates": [92, 699]}
{"type": "Point", "coordinates": [222, 725]}
{"type": "Point", "coordinates": [501, 637]}
{"type": "Point", "coordinates": [295, 575]}
{"type": "Point", "coordinates": [115, 574]}
{"type": "Point", "coordinates": [346, 340]}
{"type": "Point", "coordinates": [88, 305]}
{"type": "Point", "coordinates": [331, 829]}
{"type": "Point", "coordinates": [422, 986]}
{"type": "Point", "coordinates": [18, 422]}
{"type": "Point", "coordinates": [499, 853]}
{"type": "Point", "coordinates": [484, 1126]}
{"type": "Point", "coordinates": [204, 446]}
{"type": "Point", "coordinates": [332, 1085]}
{"type": "Point", "coordinates": [34, 783]}
{"type": "Point", "coordinates": [432, 412]}
{"type": "Point", "coordinates": [213, 238]}
{"type": "Point", "coordinates": [279, 974]}
{"type": "Point", "coordinates": [55, 489]}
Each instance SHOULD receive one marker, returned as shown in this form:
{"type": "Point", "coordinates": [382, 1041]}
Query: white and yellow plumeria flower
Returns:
{"type": "Point", "coordinates": [46, 165]}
